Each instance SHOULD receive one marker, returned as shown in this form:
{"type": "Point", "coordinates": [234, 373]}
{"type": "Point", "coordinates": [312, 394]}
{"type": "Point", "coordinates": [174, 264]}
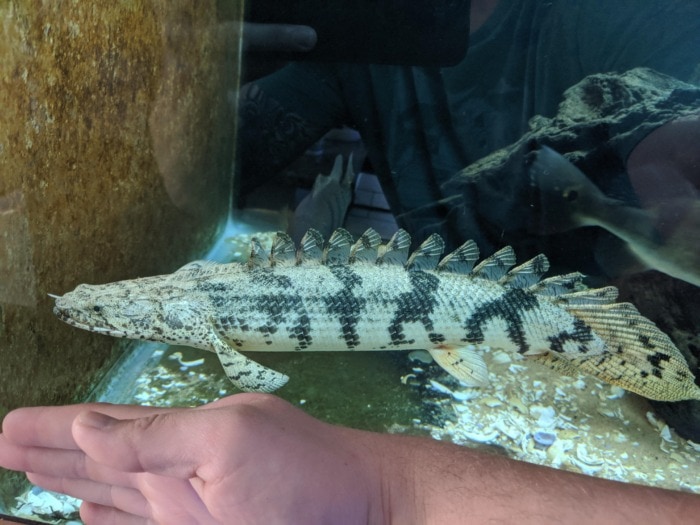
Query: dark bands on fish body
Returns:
{"type": "Point", "coordinates": [345, 295]}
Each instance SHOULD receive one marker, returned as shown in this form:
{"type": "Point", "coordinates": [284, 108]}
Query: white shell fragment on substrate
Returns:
{"type": "Point", "coordinates": [543, 439]}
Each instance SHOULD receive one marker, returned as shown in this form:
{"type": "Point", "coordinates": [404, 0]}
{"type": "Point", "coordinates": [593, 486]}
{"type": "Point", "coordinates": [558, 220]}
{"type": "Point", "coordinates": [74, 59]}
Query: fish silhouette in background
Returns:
{"type": "Point", "coordinates": [325, 207]}
{"type": "Point", "coordinates": [664, 238]}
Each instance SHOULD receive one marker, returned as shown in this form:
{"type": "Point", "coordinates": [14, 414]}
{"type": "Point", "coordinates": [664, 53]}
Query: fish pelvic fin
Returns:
{"type": "Point", "coordinates": [463, 363]}
{"type": "Point", "coordinates": [242, 371]}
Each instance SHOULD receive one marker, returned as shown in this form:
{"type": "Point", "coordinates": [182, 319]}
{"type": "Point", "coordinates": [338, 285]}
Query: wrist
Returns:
{"type": "Point", "coordinates": [389, 474]}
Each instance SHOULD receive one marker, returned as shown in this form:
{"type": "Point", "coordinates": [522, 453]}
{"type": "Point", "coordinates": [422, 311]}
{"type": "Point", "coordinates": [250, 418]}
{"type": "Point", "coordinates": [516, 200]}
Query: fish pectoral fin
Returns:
{"type": "Point", "coordinates": [245, 373]}
{"type": "Point", "coordinates": [463, 363]}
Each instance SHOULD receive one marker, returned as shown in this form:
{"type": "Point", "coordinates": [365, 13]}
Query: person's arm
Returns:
{"type": "Point", "coordinates": [445, 484]}
{"type": "Point", "coordinates": [664, 37]}
{"type": "Point", "coordinates": [270, 135]}
{"type": "Point", "coordinates": [666, 163]}
{"type": "Point", "coordinates": [254, 458]}
{"type": "Point", "coordinates": [281, 115]}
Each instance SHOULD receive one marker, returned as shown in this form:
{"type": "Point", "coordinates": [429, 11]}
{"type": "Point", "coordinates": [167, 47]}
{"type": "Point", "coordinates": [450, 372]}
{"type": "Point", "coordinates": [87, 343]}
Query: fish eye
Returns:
{"type": "Point", "coordinates": [571, 195]}
{"type": "Point", "coordinates": [97, 308]}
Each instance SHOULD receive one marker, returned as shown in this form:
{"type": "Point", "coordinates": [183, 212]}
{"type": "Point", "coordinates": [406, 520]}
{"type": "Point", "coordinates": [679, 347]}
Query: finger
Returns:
{"type": "Point", "coordinates": [127, 500]}
{"type": "Point", "coordinates": [73, 464]}
{"type": "Point", "coordinates": [159, 444]}
{"type": "Point", "coordinates": [12, 457]}
{"type": "Point", "coordinates": [93, 514]}
{"type": "Point", "coordinates": [170, 443]}
{"type": "Point", "coordinates": [278, 37]}
{"type": "Point", "coordinates": [51, 426]}
{"type": "Point", "coordinates": [38, 426]}
{"type": "Point", "coordinates": [41, 460]}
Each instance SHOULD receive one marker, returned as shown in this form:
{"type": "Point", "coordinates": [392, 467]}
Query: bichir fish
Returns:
{"type": "Point", "coordinates": [352, 296]}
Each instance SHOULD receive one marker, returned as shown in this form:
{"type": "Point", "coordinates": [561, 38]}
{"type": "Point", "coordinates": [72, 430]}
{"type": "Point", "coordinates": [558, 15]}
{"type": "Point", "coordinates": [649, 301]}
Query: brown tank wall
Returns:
{"type": "Point", "coordinates": [116, 147]}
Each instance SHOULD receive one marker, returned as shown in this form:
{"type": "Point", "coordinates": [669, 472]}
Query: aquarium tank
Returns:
{"type": "Point", "coordinates": [475, 222]}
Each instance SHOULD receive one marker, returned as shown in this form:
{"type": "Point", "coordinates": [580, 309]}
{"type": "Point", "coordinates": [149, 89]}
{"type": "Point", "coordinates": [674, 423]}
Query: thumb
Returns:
{"type": "Point", "coordinates": [158, 444]}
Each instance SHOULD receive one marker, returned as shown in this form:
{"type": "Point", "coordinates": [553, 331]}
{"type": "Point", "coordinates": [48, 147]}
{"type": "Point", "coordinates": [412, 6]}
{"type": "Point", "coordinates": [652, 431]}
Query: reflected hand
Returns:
{"type": "Point", "coordinates": [277, 37]}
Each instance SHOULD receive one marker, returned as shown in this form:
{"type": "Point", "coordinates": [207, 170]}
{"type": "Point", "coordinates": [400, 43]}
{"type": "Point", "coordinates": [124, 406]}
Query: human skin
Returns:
{"type": "Point", "coordinates": [254, 458]}
{"type": "Point", "coordinates": [665, 165]}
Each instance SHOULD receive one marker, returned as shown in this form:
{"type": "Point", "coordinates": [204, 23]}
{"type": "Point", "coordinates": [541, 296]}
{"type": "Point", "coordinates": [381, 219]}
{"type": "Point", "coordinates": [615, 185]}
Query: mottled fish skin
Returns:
{"type": "Point", "coordinates": [317, 300]}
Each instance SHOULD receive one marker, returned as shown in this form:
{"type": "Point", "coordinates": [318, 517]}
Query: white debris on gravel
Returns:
{"type": "Point", "coordinates": [574, 423]}
{"type": "Point", "coordinates": [47, 505]}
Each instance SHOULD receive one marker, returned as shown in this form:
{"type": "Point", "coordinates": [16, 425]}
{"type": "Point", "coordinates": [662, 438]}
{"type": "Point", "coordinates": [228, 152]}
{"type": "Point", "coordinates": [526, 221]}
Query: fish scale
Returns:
{"type": "Point", "coordinates": [340, 296]}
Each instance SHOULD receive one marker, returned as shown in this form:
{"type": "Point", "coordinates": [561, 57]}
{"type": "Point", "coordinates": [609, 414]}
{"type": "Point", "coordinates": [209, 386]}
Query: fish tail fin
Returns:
{"type": "Point", "coordinates": [639, 357]}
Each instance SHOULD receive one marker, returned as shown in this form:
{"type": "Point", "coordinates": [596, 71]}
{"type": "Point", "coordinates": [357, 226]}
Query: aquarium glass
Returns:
{"type": "Point", "coordinates": [138, 137]}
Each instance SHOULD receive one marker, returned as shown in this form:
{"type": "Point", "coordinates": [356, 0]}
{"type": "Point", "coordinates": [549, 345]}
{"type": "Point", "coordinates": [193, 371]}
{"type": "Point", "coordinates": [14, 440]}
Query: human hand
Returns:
{"type": "Point", "coordinates": [254, 458]}
{"type": "Point", "coordinates": [277, 37]}
{"type": "Point", "coordinates": [248, 458]}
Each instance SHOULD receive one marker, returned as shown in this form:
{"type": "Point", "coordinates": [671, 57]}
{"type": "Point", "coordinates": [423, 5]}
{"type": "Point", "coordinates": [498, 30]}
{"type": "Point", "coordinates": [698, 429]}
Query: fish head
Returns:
{"type": "Point", "coordinates": [564, 196]}
{"type": "Point", "coordinates": [123, 310]}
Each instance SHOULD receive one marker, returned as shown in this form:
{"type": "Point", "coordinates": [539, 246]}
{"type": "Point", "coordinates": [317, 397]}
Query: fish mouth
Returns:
{"type": "Point", "coordinates": [64, 315]}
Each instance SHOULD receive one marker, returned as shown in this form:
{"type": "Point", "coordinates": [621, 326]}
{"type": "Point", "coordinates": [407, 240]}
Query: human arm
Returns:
{"type": "Point", "coordinates": [270, 136]}
{"type": "Point", "coordinates": [254, 458]}
{"type": "Point", "coordinates": [666, 163]}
